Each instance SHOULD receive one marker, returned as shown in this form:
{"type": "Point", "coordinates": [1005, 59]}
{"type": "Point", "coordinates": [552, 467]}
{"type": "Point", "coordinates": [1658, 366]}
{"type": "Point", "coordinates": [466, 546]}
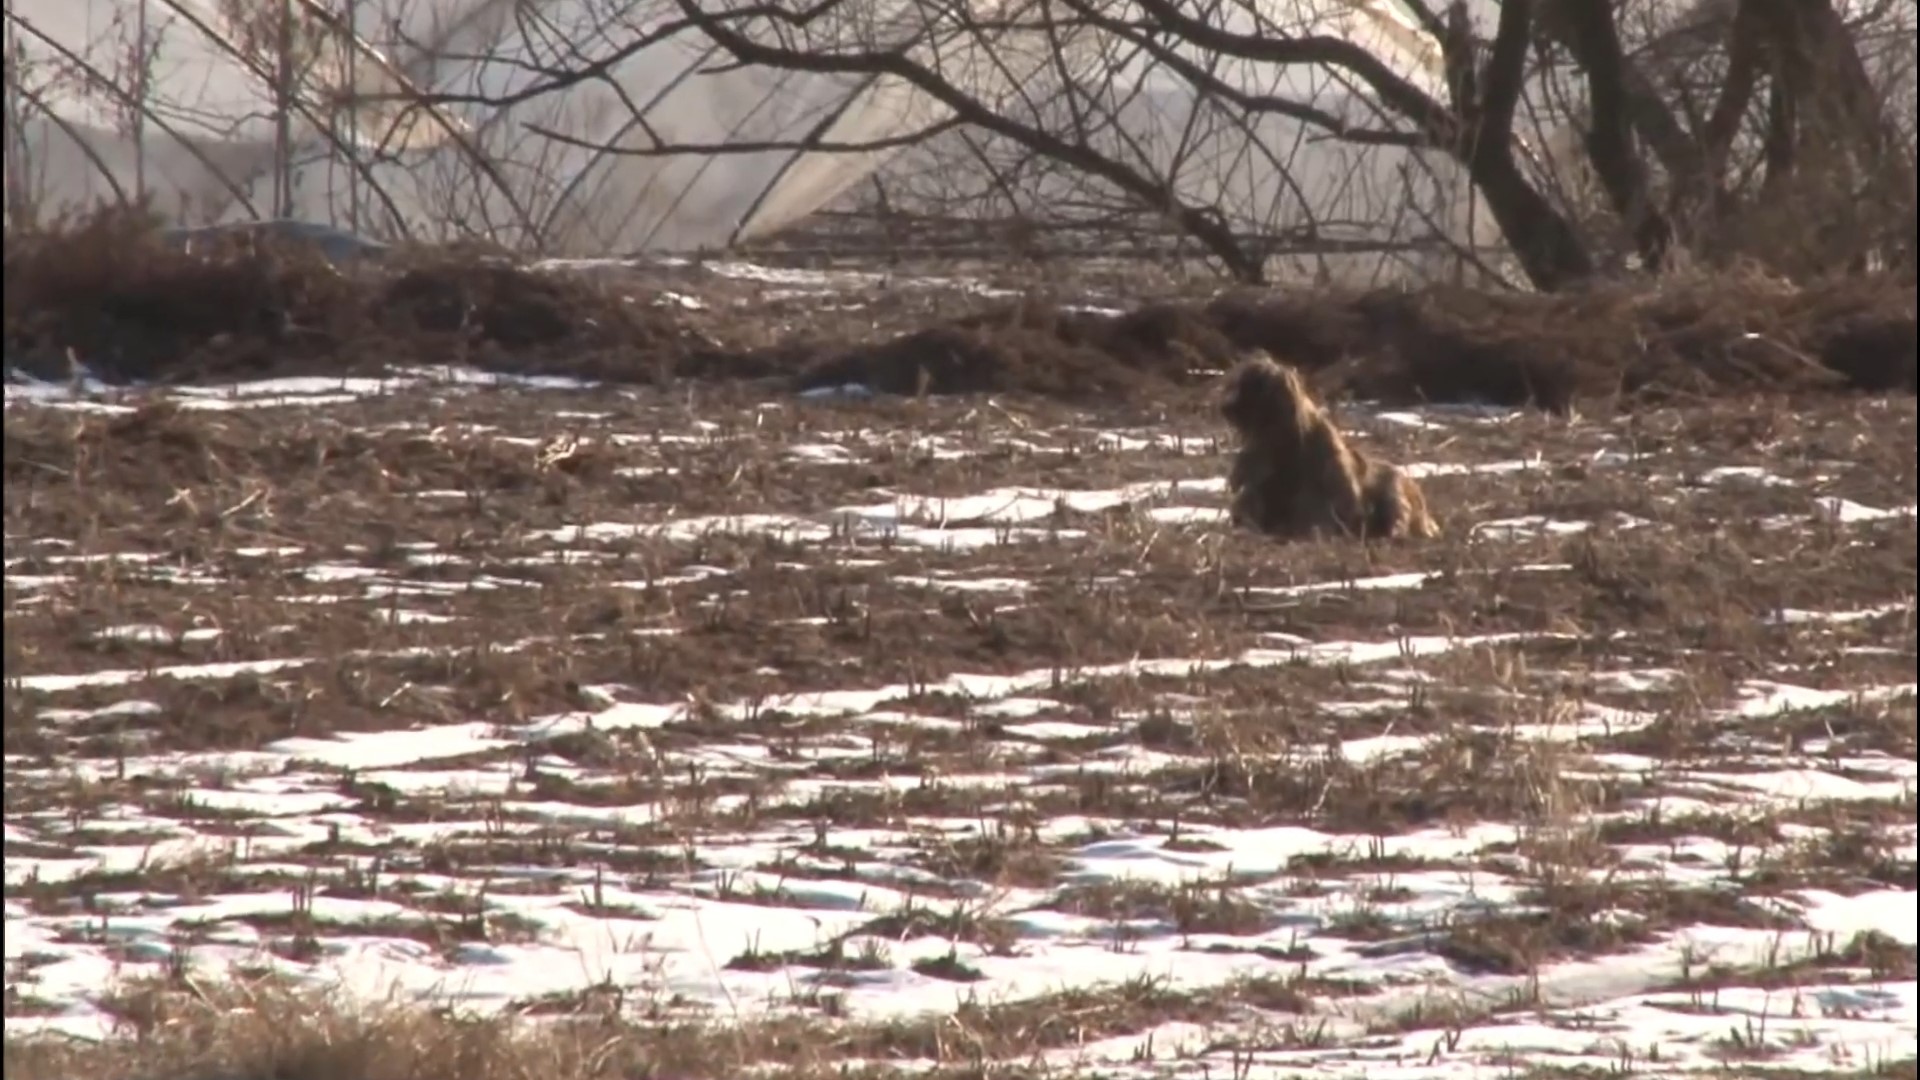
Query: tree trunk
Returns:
{"type": "Point", "coordinates": [1547, 245]}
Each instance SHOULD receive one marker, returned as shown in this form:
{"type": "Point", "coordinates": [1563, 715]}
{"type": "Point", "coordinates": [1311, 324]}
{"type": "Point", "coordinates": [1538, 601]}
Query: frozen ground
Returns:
{"type": "Point", "coordinates": [894, 715]}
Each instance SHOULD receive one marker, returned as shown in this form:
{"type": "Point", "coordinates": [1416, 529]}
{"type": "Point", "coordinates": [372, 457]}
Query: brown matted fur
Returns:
{"type": "Point", "coordinates": [1295, 475]}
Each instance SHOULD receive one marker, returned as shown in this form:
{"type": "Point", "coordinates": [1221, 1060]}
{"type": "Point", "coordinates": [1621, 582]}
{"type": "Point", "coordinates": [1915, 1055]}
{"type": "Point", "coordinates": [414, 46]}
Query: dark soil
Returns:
{"type": "Point", "coordinates": [110, 294]}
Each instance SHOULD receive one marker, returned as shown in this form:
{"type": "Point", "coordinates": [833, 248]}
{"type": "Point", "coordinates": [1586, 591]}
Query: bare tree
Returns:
{"type": "Point", "coordinates": [1543, 140]}
{"type": "Point", "coordinates": [1062, 81]}
{"type": "Point", "coordinates": [1747, 110]}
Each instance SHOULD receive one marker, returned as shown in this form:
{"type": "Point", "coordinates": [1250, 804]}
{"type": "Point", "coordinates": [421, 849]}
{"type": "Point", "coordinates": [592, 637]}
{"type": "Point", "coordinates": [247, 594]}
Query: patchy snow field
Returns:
{"type": "Point", "coordinates": [969, 716]}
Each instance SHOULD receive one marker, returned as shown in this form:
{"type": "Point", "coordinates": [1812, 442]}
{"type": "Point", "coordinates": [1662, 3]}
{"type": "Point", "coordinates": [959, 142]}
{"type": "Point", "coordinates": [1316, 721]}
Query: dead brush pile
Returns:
{"type": "Point", "coordinates": [109, 292]}
{"type": "Point", "coordinates": [1034, 347]}
{"type": "Point", "coordinates": [1678, 339]}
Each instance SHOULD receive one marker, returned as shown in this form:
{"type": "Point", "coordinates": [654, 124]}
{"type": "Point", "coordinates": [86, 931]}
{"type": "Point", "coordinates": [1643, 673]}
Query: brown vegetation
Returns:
{"type": "Point", "coordinates": [108, 293]}
{"type": "Point", "coordinates": [430, 558]}
{"type": "Point", "coordinates": [1296, 476]}
{"type": "Point", "coordinates": [1675, 340]}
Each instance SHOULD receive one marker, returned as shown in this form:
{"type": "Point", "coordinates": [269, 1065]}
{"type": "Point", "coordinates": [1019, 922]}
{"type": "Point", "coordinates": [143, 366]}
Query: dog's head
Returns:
{"type": "Point", "coordinates": [1261, 394]}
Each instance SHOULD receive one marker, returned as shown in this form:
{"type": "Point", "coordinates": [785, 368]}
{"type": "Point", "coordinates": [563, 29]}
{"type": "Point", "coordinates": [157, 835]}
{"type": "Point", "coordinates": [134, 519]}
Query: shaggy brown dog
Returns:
{"type": "Point", "coordinates": [1295, 475]}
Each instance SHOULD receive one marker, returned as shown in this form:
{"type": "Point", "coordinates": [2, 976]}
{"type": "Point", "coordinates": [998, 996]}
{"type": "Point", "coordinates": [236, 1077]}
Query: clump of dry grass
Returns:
{"type": "Point", "coordinates": [177, 1028]}
{"type": "Point", "coordinates": [243, 1030]}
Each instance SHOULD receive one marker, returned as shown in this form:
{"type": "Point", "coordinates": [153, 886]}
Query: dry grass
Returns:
{"type": "Point", "coordinates": [266, 1028]}
{"type": "Point", "coordinates": [1555, 719]}
{"type": "Point", "coordinates": [108, 292]}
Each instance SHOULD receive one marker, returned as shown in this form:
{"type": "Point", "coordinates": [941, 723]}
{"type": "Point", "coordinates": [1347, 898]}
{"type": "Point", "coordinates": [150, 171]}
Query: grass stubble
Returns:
{"type": "Point", "coordinates": [416, 559]}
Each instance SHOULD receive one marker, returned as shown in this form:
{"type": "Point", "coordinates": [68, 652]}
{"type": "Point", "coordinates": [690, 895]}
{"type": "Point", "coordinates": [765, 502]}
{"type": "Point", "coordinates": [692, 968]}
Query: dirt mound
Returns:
{"type": "Point", "coordinates": [110, 293]}
{"type": "Point", "coordinates": [1689, 338]}
{"type": "Point", "coordinates": [1036, 348]}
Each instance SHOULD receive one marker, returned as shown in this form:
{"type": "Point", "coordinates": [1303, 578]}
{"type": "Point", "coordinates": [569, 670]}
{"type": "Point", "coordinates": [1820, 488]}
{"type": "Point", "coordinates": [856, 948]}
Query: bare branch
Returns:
{"type": "Point", "coordinates": [1204, 223]}
{"type": "Point", "coordinates": [662, 148]}
{"type": "Point", "coordinates": [1399, 94]}
{"type": "Point", "coordinates": [1212, 85]}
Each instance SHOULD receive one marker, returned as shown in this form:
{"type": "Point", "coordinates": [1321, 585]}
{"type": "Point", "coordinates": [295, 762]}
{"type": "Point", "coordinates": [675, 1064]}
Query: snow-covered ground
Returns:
{"type": "Point", "coordinates": [1530, 830]}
